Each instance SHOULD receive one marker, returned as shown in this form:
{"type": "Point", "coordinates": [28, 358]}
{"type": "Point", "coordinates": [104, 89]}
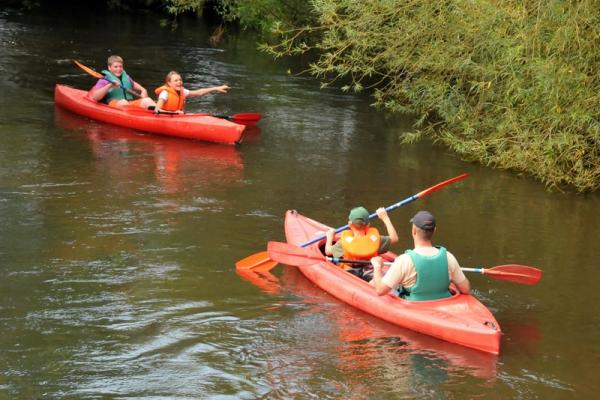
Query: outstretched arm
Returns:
{"type": "Point", "coordinates": [204, 91]}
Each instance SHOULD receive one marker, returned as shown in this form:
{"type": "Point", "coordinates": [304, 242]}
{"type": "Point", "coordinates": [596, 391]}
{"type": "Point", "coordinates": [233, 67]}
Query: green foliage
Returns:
{"type": "Point", "coordinates": [176, 7]}
{"type": "Point", "coordinates": [266, 15]}
{"type": "Point", "coordinates": [512, 84]}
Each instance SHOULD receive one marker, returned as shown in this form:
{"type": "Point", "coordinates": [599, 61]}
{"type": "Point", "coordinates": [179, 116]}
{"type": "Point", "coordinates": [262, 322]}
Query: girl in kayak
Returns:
{"type": "Point", "coordinates": [116, 88]}
{"type": "Point", "coordinates": [361, 241]}
{"type": "Point", "coordinates": [423, 273]}
{"type": "Point", "coordinates": [172, 95]}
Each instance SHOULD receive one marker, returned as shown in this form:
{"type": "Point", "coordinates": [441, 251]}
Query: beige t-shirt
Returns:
{"type": "Point", "coordinates": [403, 273]}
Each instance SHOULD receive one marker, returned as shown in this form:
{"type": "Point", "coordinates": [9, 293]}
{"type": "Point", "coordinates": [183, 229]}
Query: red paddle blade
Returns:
{"type": "Point", "coordinates": [250, 117]}
{"type": "Point", "coordinates": [257, 262]}
{"type": "Point", "coordinates": [88, 70]}
{"type": "Point", "coordinates": [440, 185]}
{"type": "Point", "coordinates": [515, 273]}
{"type": "Point", "coordinates": [292, 255]}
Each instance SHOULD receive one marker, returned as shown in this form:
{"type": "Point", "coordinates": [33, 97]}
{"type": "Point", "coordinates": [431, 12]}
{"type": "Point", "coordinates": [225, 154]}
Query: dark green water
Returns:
{"type": "Point", "coordinates": [117, 249]}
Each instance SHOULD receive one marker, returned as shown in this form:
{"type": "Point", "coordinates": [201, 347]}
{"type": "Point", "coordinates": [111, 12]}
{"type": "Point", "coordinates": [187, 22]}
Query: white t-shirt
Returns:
{"type": "Point", "coordinates": [164, 95]}
{"type": "Point", "coordinates": [403, 272]}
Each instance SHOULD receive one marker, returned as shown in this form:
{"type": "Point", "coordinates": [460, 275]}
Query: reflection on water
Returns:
{"type": "Point", "coordinates": [372, 351]}
{"type": "Point", "coordinates": [175, 160]}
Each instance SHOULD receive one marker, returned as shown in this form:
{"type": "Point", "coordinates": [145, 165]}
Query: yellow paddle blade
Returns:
{"type": "Point", "coordinates": [257, 262]}
{"type": "Point", "coordinates": [88, 70]}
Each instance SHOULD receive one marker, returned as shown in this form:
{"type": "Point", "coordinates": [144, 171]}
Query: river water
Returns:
{"type": "Point", "coordinates": [117, 249]}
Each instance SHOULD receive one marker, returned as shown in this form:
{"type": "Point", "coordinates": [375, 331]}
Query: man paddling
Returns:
{"type": "Point", "coordinates": [116, 87]}
{"type": "Point", "coordinates": [361, 241]}
{"type": "Point", "coordinates": [423, 273]}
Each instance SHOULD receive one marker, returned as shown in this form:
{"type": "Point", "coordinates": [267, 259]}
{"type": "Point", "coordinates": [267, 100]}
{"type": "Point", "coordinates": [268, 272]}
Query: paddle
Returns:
{"type": "Point", "coordinates": [263, 262]}
{"type": "Point", "coordinates": [511, 272]}
{"type": "Point", "coordinates": [242, 117]}
{"type": "Point", "coordinates": [292, 255]}
{"type": "Point", "coordinates": [100, 76]}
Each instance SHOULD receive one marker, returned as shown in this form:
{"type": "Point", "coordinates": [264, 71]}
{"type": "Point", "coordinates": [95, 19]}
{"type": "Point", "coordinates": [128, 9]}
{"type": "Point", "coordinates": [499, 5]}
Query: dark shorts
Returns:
{"type": "Point", "coordinates": [366, 273]}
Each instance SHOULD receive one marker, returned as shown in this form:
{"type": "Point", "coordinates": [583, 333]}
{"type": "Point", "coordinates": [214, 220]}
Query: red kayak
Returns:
{"type": "Point", "coordinates": [190, 126]}
{"type": "Point", "coordinates": [459, 319]}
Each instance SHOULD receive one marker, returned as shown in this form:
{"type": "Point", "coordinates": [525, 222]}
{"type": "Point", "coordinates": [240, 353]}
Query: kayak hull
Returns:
{"type": "Point", "coordinates": [189, 126]}
{"type": "Point", "coordinates": [459, 319]}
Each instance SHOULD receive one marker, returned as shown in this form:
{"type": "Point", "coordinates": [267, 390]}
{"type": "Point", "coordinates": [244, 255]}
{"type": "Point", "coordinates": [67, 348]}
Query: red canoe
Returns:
{"type": "Point", "coordinates": [459, 319]}
{"type": "Point", "coordinates": [190, 126]}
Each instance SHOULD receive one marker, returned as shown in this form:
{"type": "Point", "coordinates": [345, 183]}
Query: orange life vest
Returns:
{"type": "Point", "coordinates": [361, 247]}
{"type": "Point", "coordinates": [175, 101]}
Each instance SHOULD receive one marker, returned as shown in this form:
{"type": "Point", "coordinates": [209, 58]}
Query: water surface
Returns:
{"type": "Point", "coordinates": [118, 248]}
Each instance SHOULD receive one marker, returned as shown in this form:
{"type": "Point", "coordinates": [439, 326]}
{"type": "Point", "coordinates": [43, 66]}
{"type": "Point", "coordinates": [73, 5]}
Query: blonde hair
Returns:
{"type": "Point", "coordinates": [113, 59]}
{"type": "Point", "coordinates": [169, 75]}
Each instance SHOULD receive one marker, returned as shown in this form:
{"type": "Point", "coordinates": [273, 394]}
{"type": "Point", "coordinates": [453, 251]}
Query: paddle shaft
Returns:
{"type": "Point", "coordinates": [479, 270]}
{"type": "Point", "coordinates": [337, 260]}
{"type": "Point", "coordinates": [136, 94]}
{"type": "Point", "coordinates": [483, 271]}
{"type": "Point", "coordinates": [394, 206]}
{"type": "Point", "coordinates": [293, 255]}
{"type": "Point", "coordinates": [240, 117]}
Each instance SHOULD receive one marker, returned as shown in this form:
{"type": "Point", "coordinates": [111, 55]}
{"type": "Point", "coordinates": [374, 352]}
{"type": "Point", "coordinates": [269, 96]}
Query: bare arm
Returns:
{"type": "Point", "coordinates": [140, 89]}
{"type": "Point", "coordinates": [158, 108]}
{"type": "Point", "coordinates": [160, 102]}
{"type": "Point", "coordinates": [99, 93]}
{"type": "Point", "coordinates": [204, 91]}
{"type": "Point", "coordinates": [380, 287]}
{"type": "Point", "coordinates": [329, 244]}
{"type": "Point", "coordinates": [383, 216]}
{"type": "Point", "coordinates": [464, 286]}
{"type": "Point", "coordinates": [457, 276]}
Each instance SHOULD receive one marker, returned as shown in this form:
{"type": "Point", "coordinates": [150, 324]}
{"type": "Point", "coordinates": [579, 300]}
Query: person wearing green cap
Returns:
{"type": "Point", "coordinates": [361, 241]}
{"type": "Point", "coordinates": [423, 273]}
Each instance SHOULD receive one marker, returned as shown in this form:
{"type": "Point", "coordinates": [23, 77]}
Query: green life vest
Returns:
{"type": "Point", "coordinates": [432, 277]}
{"type": "Point", "coordinates": [118, 93]}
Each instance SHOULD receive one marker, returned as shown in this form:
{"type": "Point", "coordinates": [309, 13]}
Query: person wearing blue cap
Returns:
{"type": "Point", "coordinates": [423, 273]}
{"type": "Point", "coordinates": [361, 241]}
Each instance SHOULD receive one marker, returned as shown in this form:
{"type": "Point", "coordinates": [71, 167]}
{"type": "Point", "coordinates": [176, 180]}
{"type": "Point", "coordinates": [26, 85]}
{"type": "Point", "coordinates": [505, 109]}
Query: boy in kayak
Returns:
{"type": "Point", "coordinates": [116, 87]}
{"type": "Point", "coordinates": [361, 241]}
{"type": "Point", "coordinates": [423, 273]}
{"type": "Point", "coordinates": [172, 95]}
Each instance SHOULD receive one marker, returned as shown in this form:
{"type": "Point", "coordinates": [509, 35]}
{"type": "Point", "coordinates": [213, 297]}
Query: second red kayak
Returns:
{"type": "Point", "coordinates": [190, 126]}
{"type": "Point", "coordinates": [459, 319]}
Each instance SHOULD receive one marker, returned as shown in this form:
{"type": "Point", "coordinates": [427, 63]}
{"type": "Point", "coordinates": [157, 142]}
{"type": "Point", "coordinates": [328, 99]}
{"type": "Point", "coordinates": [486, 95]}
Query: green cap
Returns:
{"type": "Point", "coordinates": [359, 216]}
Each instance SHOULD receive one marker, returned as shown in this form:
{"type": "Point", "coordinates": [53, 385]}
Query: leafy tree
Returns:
{"type": "Point", "coordinates": [508, 83]}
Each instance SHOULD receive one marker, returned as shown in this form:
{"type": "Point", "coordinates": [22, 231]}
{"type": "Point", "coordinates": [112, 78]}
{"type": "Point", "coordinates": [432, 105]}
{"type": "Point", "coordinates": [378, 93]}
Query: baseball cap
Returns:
{"type": "Point", "coordinates": [424, 220]}
{"type": "Point", "coordinates": [359, 216]}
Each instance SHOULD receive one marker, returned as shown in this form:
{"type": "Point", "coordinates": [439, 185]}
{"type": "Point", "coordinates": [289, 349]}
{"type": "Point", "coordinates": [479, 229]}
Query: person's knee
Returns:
{"type": "Point", "coordinates": [147, 102]}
